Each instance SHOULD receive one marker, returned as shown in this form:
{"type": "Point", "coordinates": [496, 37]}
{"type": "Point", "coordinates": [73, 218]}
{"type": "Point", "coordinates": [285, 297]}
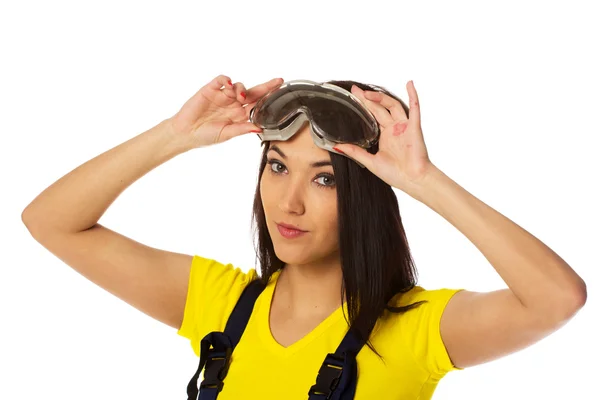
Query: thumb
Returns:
{"type": "Point", "coordinates": [240, 128]}
{"type": "Point", "coordinates": [357, 153]}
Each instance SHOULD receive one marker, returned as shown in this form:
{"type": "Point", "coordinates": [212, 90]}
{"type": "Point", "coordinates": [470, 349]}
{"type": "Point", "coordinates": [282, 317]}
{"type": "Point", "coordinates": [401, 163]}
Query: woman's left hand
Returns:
{"type": "Point", "coordinates": [402, 160]}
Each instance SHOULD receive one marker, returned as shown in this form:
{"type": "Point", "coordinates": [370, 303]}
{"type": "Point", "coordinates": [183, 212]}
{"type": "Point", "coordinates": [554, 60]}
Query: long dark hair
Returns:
{"type": "Point", "coordinates": [375, 256]}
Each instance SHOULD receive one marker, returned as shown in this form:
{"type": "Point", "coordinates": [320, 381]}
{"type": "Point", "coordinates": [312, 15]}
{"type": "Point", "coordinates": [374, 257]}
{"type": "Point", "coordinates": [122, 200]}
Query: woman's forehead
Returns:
{"type": "Point", "coordinates": [299, 154]}
{"type": "Point", "coordinates": [300, 147]}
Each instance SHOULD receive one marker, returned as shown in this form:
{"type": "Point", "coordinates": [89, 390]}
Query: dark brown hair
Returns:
{"type": "Point", "coordinates": [375, 256]}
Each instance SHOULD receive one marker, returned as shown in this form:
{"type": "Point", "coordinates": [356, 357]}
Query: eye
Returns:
{"type": "Point", "coordinates": [272, 162]}
{"type": "Point", "coordinates": [328, 178]}
{"type": "Point", "coordinates": [276, 171]}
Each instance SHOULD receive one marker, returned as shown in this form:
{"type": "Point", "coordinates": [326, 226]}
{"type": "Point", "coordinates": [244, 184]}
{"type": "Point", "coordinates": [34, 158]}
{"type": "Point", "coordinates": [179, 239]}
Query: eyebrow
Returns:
{"type": "Point", "coordinates": [314, 165]}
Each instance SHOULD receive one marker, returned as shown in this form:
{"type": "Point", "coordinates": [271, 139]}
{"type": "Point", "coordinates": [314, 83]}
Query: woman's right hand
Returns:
{"type": "Point", "coordinates": [216, 112]}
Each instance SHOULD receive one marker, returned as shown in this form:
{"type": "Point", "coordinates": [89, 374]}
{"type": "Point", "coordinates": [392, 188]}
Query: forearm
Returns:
{"type": "Point", "coordinates": [77, 200]}
{"type": "Point", "coordinates": [535, 274]}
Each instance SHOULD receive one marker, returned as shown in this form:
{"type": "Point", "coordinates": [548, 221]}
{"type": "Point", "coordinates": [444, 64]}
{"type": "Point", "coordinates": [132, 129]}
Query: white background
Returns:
{"type": "Point", "coordinates": [509, 99]}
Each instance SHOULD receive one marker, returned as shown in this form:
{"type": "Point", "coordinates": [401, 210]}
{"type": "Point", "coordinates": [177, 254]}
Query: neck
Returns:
{"type": "Point", "coordinates": [309, 290]}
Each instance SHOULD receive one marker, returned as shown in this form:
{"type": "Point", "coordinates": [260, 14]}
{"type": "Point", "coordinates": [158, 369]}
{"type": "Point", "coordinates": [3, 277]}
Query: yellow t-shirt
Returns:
{"type": "Point", "coordinates": [410, 343]}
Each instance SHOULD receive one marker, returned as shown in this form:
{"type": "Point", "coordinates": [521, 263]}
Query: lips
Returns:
{"type": "Point", "coordinates": [291, 227]}
{"type": "Point", "coordinates": [290, 233]}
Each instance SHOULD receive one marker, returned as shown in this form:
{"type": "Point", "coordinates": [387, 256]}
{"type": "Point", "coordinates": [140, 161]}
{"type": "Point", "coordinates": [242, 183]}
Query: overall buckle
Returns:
{"type": "Point", "coordinates": [329, 376]}
{"type": "Point", "coordinates": [217, 365]}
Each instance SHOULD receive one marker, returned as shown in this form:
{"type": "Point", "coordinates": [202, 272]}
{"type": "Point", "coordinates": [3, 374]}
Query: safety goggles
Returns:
{"type": "Point", "coordinates": [334, 114]}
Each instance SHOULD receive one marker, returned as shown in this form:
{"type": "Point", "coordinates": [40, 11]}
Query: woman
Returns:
{"type": "Point", "coordinates": [352, 246]}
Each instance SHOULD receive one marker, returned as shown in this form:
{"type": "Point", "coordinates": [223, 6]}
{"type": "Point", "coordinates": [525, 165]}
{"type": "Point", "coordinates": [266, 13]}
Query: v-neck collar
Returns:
{"type": "Point", "coordinates": [265, 328]}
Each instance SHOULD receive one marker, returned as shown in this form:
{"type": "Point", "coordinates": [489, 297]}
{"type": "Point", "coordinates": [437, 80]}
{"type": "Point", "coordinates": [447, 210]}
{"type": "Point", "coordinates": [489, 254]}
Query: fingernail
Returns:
{"type": "Point", "coordinates": [338, 150]}
{"type": "Point", "coordinates": [230, 84]}
{"type": "Point", "coordinates": [243, 94]}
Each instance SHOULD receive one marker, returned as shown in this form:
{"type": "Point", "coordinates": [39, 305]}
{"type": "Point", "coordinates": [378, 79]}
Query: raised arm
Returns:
{"type": "Point", "coordinates": [64, 217]}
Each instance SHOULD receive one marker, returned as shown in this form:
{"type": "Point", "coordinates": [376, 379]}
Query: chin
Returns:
{"type": "Point", "coordinates": [300, 255]}
{"type": "Point", "coordinates": [290, 255]}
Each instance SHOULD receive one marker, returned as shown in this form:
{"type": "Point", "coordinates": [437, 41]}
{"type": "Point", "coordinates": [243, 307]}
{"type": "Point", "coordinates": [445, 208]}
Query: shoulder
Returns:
{"type": "Point", "coordinates": [212, 281]}
{"type": "Point", "coordinates": [218, 278]}
{"type": "Point", "coordinates": [432, 297]}
{"type": "Point", "coordinates": [213, 291]}
{"type": "Point", "coordinates": [428, 305]}
{"type": "Point", "coordinates": [419, 327]}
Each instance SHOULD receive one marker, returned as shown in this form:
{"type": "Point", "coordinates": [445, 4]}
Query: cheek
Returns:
{"type": "Point", "coordinates": [267, 187]}
{"type": "Point", "coordinates": [328, 237]}
{"type": "Point", "coordinates": [328, 221]}
{"type": "Point", "coordinates": [270, 195]}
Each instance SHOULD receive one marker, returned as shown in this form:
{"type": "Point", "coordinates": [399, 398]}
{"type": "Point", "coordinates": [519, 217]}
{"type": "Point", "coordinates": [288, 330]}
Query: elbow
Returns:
{"type": "Point", "coordinates": [572, 302]}
{"type": "Point", "coordinates": [561, 307]}
{"type": "Point", "coordinates": [580, 295]}
{"type": "Point", "coordinates": [25, 218]}
{"type": "Point", "coordinates": [29, 221]}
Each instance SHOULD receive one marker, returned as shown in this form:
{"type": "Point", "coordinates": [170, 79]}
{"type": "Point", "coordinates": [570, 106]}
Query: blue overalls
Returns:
{"type": "Point", "coordinates": [336, 379]}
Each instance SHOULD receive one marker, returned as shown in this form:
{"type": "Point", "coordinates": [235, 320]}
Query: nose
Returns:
{"type": "Point", "coordinates": [291, 198]}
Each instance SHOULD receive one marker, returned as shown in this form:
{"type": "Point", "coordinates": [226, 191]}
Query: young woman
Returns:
{"type": "Point", "coordinates": [332, 249]}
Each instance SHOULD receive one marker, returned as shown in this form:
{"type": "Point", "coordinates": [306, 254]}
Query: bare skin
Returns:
{"type": "Point", "coordinates": [308, 289]}
{"type": "Point", "coordinates": [64, 217]}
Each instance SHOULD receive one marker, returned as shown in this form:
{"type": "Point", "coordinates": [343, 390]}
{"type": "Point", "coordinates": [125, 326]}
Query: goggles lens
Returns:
{"type": "Point", "coordinates": [335, 113]}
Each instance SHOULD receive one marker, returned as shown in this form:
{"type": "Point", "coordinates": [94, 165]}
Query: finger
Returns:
{"type": "Point", "coordinates": [248, 107]}
{"type": "Point", "coordinates": [223, 86]}
{"type": "Point", "coordinates": [220, 88]}
{"type": "Point", "coordinates": [240, 92]}
{"type": "Point", "coordinates": [212, 88]}
{"type": "Point", "coordinates": [232, 130]}
{"type": "Point", "coordinates": [219, 82]}
{"type": "Point", "coordinates": [381, 113]}
{"type": "Point", "coordinates": [357, 153]}
{"type": "Point", "coordinates": [414, 111]}
{"type": "Point", "coordinates": [388, 102]}
{"type": "Point", "coordinates": [228, 92]}
{"type": "Point", "coordinates": [258, 91]}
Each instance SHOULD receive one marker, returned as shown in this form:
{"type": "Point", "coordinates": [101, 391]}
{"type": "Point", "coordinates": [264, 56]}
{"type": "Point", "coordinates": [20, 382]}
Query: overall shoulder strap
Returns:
{"type": "Point", "coordinates": [217, 357]}
{"type": "Point", "coordinates": [236, 324]}
{"type": "Point", "coordinates": [337, 377]}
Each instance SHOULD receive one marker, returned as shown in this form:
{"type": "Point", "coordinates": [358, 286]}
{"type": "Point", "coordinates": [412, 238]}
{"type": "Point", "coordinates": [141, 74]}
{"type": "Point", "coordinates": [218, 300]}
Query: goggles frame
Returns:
{"type": "Point", "coordinates": [303, 115]}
